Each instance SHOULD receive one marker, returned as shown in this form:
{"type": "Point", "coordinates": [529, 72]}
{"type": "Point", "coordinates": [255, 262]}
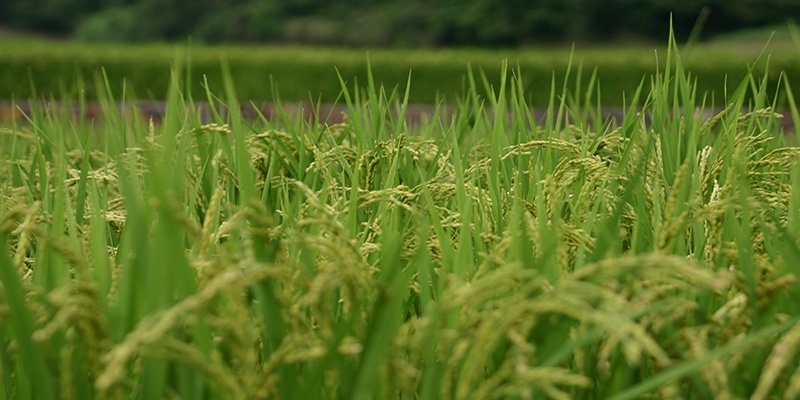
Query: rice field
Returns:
{"type": "Point", "coordinates": [33, 68]}
{"type": "Point", "coordinates": [468, 257]}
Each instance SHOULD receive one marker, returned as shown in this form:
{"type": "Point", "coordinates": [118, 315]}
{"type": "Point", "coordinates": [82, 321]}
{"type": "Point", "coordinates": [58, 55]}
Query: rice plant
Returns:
{"type": "Point", "coordinates": [481, 255]}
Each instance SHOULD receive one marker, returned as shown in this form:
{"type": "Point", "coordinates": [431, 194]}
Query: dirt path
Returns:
{"type": "Point", "coordinates": [329, 113]}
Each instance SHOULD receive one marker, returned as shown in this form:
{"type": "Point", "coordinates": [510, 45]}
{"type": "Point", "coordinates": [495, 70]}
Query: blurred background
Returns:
{"type": "Point", "coordinates": [389, 23]}
{"type": "Point", "coordinates": [305, 50]}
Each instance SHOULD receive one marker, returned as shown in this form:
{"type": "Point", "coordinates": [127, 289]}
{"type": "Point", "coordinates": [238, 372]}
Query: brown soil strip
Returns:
{"type": "Point", "coordinates": [324, 113]}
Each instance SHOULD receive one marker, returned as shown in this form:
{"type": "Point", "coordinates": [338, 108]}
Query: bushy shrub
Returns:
{"type": "Point", "coordinates": [111, 25]}
{"type": "Point", "coordinates": [414, 22]}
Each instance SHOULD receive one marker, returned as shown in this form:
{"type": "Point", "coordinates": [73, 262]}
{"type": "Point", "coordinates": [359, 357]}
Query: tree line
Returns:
{"type": "Point", "coordinates": [390, 22]}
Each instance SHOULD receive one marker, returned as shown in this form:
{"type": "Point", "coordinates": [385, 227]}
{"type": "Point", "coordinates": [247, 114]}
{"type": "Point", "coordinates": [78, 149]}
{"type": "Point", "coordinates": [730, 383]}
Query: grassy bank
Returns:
{"type": "Point", "coordinates": [302, 74]}
{"type": "Point", "coordinates": [473, 258]}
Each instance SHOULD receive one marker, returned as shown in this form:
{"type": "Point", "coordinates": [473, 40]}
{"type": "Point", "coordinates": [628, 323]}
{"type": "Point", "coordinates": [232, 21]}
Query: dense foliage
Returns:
{"type": "Point", "coordinates": [394, 22]}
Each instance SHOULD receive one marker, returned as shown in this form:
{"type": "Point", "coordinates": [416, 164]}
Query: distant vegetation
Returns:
{"type": "Point", "coordinates": [310, 73]}
{"type": "Point", "coordinates": [388, 23]}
